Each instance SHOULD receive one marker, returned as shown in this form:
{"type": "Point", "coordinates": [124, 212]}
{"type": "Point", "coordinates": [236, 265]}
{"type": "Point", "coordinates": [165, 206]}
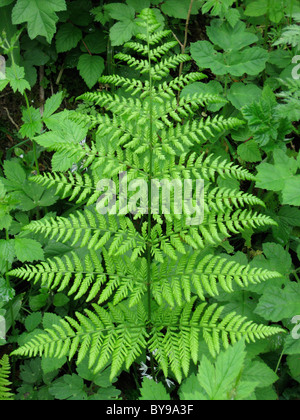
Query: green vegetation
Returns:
{"type": "Point", "coordinates": [106, 300]}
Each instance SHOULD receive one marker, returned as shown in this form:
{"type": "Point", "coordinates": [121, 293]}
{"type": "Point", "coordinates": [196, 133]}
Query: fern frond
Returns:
{"type": "Point", "coordinates": [124, 262]}
{"type": "Point", "coordinates": [173, 281]}
{"type": "Point", "coordinates": [92, 230]}
{"type": "Point", "coordinates": [176, 334]}
{"type": "Point", "coordinates": [289, 36]}
{"type": "Point", "coordinates": [120, 335]}
{"type": "Point", "coordinates": [5, 392]}
{"type": "Point", "coordinates": [221, 199]}
{"type": "Point", "coordinates": [73, 185]}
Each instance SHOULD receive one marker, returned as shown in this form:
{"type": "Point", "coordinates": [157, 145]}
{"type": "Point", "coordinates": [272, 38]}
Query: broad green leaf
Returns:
{"type": "Point", "coordinates": [266, 394]}
{"type": "Point", "coordinates": [5, 2]}
{"type": "Point", "coordinates": [191, 390]}
{"type": "Point", "coordinates": [79, 11]}
{"type": "Point", "coordinates": [51, 364]}
{"type": "Point", "coordinates": [105, 394]}
{"type": "Point", "coordinates": [294, 366]}
{"type": "Point", "coordinates": [37, 302]}
{"type": "Point", "coordinates": [52, 104]}
{"type": "Point", "coordinates": [260, 372]}
{"type": "Point", "coordinates": [90, 68]}
{"type": "Point", "coordinates": [249, 151]}
{"type": "Point", "coordinates": [32, 122]}
{"type": "Point", "coordinates": [28, 250]}
{"type": "Point", "coordinates": [14, 171]}
{"type": "Point", "coordinates": [67, 37]}
{"type": "Point", "coordinates": [251, 61]}
{"type": "Point", "coordinates": [95, 42]}
{"type": "Point", "coordinates": [3, 84]}
{"type": "Point", "coordinates": [275, 258]}
{"type": "Point", "coordinates": [241, 94]}
{"type": "Point", "coordinates": [279, 304]}
{"type": "Point", "coordinates": [179, 9]}
{"type": "Point", "coordinates": [40, 15]}
{"type": "Point", "coordinates": [138, 5]}
{"type": "Point", "coordinates": [257, 8]}
{"type": "Point", "coordinates": [152, 390]}
{"type": "Point", "coordinates": [122, 32]}
{"type": "Point", "coordinates": [216, 6]}
{"type": "Point", "coordinates": [291, 191]}
{"type": "Point", "coordinates": [292, 345]}
{"type": "Point", "coordinates": [67, 133]}
{"type": "Point", "coordinates": [7, 250]}
{"type": "Point", "coordinates": [219, 380]}
{"type": "Point", "coordinates": [273, 8]}
{"type": "Point", "coordinates": [6, 293]}
{"type": "Point", "coordinates": [120, 11]}
{"type": "Point", "coordinates": [60, 299]}
{"type": "Point", "coordinates": [228, 38]}
{"type": "Point", "coordinates": [274, 176]}
{"type": "Point", "coordinates": [5, 220]}
{"type": "Point", "coordinates": [33, 321]}
{"type": "Point", "coordinates": [68, 387]}
{"type": "Point", "coordinates": [16, 77]}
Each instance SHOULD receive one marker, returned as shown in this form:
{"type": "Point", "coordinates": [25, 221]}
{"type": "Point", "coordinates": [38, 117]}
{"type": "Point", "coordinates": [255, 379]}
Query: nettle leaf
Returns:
{"type": "Point", "coordinates": [90, 68]}
{"type": "Point", "coordinates": [67, 37]}
{"type": "Point", "coordinates": [40, 15]}
{"type": "Point", "coordinates": [152, 390]}
{"type": "Point", "coordinates": [28, 250]}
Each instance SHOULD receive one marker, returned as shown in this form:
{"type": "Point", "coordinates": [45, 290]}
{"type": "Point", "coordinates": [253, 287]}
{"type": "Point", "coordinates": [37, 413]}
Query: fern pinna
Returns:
{"type": "Point", "coordinates": [149, 278]}
{"type": "Point", "coordinates": [5, 392]}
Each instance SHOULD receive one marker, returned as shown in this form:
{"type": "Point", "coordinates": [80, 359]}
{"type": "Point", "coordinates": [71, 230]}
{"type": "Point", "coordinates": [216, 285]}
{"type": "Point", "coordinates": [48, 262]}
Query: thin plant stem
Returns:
{"type": "Point", "coordinates": [183, 46]}
{"type": "Point", "coordinates": [279, 361]}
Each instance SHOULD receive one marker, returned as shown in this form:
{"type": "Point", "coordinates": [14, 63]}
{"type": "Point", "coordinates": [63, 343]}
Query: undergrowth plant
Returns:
{"type": "Point", "coordinates": [5, 393]}
{"type": "Point", "coordinates": [150, 278]}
